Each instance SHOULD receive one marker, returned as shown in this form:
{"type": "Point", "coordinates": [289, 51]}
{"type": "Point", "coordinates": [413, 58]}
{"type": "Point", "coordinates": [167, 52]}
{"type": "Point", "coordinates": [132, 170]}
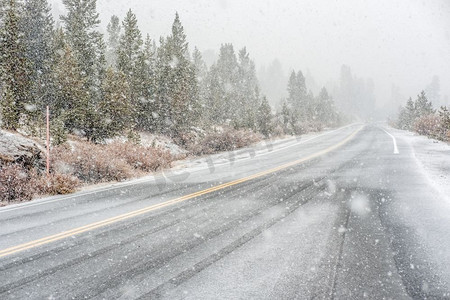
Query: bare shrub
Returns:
{"type": "Point", "coordinates": [143, 158]}
{"type": "Point", "coordinates": [91, 163]}
{"type": "Point", "coordinates": [444, 115]}
{"type": "Point", "coordinates": [429, 125]}
{"type": "Point", "coordinates": [56, 184]}
{"type": "Point", "coordinates": [15, 184]}
{"type": "Point", "coordinates": [313, 126]}
{"type": "Point", "coordinates": [118, 161]}
{"type": "Point", "coordinates": [227, 140]}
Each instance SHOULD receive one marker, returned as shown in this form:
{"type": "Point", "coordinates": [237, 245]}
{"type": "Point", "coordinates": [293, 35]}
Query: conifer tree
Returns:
{"type": "Point", "coordinates": [199, 64]}
{"type": "Point", "coordinates": [264, 118]}
{"type": "Point", "coordinates": [86, 41]}
{"type": "Point", "coordinates": [201, 73]}
{"type": "Point", "coordinates": [297, 98]}
{"type": "Point", "coordinates": [285, 114]}
{"type": "Point", "coordinates": [71, 94]}
{"type": "Point", "coordinates": [214, 100]}
{"type": "Point", "coordinates": [222, 82]}
{"type": "Point", "coordinates": [129, 47]}
{"type": "Point", "coordinates": [113, 29]}
{"type": "Point", "coordinates": [145, 75]}
{"type": "Point", "coordinates": [177, 86]}
{"type": "Point", "coordinates": [3, 6]}
{"type": "Point", "coordinates": [116, 111]}
{"type": "Point", "coordinates": [14, 69]}
{"type": "Point", "coordinates": [247, 100]}
{"type": "Point", "coordinates": [324, 111]}
{"type": "Point", "coordinates": [407, 115]}
{"type": "Point", "coordinates": [128, 54]}
{"type": "Point", "coordinates": [37, 26]}
{"type": "Point", "coordinates": [422, 106]}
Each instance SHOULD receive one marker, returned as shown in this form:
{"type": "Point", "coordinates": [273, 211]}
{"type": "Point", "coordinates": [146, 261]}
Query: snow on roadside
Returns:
{"type": "Point", "coordinates": [433, 157]}
{"type": "Point", "coordinates": [163, 142]}
{"type": "Point", "coordinates": [260, 148]}
{"type": "Point", "coordinates": [154, 141]}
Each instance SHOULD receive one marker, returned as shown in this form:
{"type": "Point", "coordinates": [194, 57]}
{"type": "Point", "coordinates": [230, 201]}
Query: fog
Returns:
{"type": "Point", "coordinates": [401, 43]}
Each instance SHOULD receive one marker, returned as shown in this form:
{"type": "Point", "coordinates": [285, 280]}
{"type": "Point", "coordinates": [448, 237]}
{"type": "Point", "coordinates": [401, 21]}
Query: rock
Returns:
{"type": "Point", "coordinates": [15, 148]}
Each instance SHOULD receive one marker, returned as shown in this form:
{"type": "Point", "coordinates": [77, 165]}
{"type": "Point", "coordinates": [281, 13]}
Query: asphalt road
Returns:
{"type": "Point", "coordinates": [322, 218]}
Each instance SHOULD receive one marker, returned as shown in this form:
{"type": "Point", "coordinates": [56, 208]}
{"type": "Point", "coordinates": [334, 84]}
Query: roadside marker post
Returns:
{"type": "Point", "coordinates": [48, 142]}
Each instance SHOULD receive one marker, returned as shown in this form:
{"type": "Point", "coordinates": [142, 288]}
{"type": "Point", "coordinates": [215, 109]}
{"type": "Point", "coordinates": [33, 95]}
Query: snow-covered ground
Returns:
{"type": "Point", "coordinates": [422, 207]}
{"type": "Point", "coordinates": [433, 159]}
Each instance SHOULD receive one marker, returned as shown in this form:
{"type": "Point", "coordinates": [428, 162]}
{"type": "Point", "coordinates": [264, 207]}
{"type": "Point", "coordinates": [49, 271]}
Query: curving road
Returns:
{"type": "Point", "coordinates": [329, 217]}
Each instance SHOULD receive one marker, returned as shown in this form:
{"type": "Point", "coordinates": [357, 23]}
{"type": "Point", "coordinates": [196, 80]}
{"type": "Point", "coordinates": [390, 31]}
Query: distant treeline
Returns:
{"type": "Point", "coordinates": [101, 87]}
{"type": "Point", "coordinates": [420, 116]}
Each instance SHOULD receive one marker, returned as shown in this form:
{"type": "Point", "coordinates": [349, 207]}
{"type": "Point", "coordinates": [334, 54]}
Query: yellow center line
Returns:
{"type": "Point", "coordinates": [122, 217]}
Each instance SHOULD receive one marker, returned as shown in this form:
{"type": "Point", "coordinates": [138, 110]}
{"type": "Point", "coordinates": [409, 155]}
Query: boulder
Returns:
{"type": "Point", "coordinates": [15, 148]}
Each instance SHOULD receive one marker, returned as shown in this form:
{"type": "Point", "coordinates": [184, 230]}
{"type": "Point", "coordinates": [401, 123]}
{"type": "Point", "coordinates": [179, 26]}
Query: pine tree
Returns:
{"type": "Point", "coordinates": [215, 98]}
{"type": "Point", "coordinates": [177, 86]}
{"type": "Point", "coordinates": [145, 76]}
{"type": "Point", "coordinates": [199, 64]}
{"type": "Point", "coordinates": [71, 92]}
{"type": "Point", "coordinates": [113, 30]}
{"type": "Point", "coordinates": [285, 114]}
{"type": "Point", "coordinates": [423, 107]}
{"type": "Point", "coordinates": [115, 109]}
{"type": "Point", "coordinates": [222, 83]}
{"type": "Point", "coordinates": [265, 125]}
{"type": "Point", "coordinates": [128, 53]}
{"type": "Point", "coordinates": [37, 26]}
{"type": "Point", "coordinates": [14, 67]}
{"type": "Point", "coordinates": [310, 106]}
{"type": "Point", "coordinates": [247, 100]}
{"type": "Point", "coordinates": [58, 131]}
{"type": "Point", "coordinates": [407, 115]}
{"type": "Point", "coordinates": [2, 11]}
{"type": "Point", "coordinates": [327, 113]}
{"type": "Point", "coordinates": [73, 103]}
{"type": "Point", "coordinates": [201, 73]}
{"type": "Point", "coordinates": [129, 47]}
{"type": "Point", "coordinates": [58, 45]}
{"type": "Point", "coordinates": [298, 101]}
{"type": "Point", "coordinates": [60, 50]}
{"type": "Point", "coordinates": [86, 41]}
{"type": "Point", "coordinates": [294, 95]}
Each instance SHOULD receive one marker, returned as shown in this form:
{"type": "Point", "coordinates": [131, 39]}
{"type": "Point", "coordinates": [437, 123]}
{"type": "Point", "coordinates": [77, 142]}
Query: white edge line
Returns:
{"type": "Point", "coordinates": [118, 185]}
{"type": "Point", "coordinates": [394, 140]}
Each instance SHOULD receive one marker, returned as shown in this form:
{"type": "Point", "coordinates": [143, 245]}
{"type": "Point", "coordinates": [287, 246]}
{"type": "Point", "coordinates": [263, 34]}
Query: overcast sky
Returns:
{"type": "Point", "coordinates": [402, 42]}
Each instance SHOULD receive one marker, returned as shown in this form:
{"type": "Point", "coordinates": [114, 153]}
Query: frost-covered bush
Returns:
{"type": "Point", "coordinates": [428, 125]}
{"type": "Point", "coordinates": [140, 157]}
{"type": "Point", "coordinates": [56, 184]}
{"type": "Point", "coordinates": [15, 184]}
{"type": "Point", "coordinates": [90, 163]}
{"type": "Point", "coordinates": [434, 125]}
{"type": "Point", "coordinates": [444, 114]}
{"type": "Point", "coordinates": [226, 140]}
{"type": "Point", "coordinates": [313, 126]}
{"type": "Point", "coordinates": [18, 183]}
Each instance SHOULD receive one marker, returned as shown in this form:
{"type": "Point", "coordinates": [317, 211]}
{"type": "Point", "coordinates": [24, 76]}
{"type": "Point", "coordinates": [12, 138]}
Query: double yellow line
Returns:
{"type": "Point", "coordinates": [92, 226]}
